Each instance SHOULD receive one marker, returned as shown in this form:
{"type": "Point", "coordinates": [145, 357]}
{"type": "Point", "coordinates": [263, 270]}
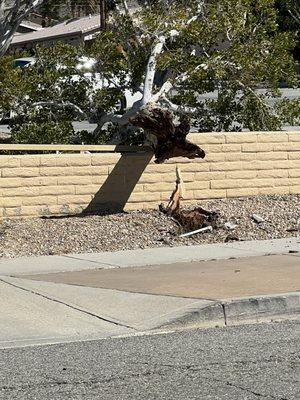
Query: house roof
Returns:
{"type": "Point", "coordinates": [67, 28]}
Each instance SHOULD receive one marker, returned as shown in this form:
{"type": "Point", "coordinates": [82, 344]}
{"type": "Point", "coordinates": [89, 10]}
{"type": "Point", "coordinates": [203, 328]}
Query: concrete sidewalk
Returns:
{"type": "Point", "coordinates": [44, 305]}
{"type": "Point", "coordinates": [212, 280]}
{"type": "Point", "coordinates": [145, 257]}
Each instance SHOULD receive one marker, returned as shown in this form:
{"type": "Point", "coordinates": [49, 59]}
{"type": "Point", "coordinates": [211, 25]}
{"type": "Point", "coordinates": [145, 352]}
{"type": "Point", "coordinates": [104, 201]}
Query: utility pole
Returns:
{"type": "Point", "coordinates": [103, 15]}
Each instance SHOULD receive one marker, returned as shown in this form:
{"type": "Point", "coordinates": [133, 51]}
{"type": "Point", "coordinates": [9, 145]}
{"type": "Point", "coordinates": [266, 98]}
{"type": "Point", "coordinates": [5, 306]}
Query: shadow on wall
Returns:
{"type": "Point", "coordinates": [120, 183]}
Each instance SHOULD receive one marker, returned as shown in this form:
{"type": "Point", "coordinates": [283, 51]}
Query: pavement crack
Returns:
{"type": "Point", "coordinates": [245, 389]}
{"type": "Point", "coordinates": [51, 382]}
{"type": "Point", "coordinates": [111, 321]}
{"type": "Point", "coordinates": [194, 368]}
{"type": "Point", "coordinates": [92, 261]}
{"type": "Point", "coordinates": [253, 392]}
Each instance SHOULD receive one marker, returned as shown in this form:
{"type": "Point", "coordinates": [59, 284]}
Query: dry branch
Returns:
{"type": "Point", "coordinates": [188, 219]}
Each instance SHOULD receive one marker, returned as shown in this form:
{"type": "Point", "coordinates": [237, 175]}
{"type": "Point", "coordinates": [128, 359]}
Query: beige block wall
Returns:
{"type": "Point", "coordinates": [237, 164]}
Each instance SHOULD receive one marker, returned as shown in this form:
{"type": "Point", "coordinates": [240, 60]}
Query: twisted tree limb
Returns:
{"type": "Point", "coordinates": [188, 220]}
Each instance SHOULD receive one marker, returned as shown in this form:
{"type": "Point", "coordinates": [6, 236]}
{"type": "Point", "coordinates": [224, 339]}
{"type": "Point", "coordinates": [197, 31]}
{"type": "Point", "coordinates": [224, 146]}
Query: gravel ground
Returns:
{"type": "Point", "coordinates": [142, 229]}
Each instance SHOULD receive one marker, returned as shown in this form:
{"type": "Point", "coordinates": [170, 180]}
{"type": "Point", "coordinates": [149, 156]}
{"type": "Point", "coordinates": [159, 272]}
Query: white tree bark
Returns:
{"type": "Point", "coordinates": [295, 14]}
{"type": "Point", "coordinates": [151, 69]}
{"type": "Point", "coordinates": [125, 6]}
{"type": "Point", "coordinates": [181, 109]}
{"type": "Point", "coordinates": [158, 99]}
{"type": "Point", "coordinates": [12, 12]}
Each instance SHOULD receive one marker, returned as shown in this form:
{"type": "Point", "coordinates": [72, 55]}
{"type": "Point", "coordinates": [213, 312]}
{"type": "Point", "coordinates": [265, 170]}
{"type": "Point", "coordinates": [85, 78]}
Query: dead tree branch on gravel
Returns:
{"type": "Point", "coordinates": [188, 219]}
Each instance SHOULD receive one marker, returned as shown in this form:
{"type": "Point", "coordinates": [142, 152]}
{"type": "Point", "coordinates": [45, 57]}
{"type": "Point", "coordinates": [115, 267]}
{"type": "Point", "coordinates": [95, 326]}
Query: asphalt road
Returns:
{"type": "Point", "coordinates": [235, 363]}
{"type": "Point", "coordinates": [78, 126]}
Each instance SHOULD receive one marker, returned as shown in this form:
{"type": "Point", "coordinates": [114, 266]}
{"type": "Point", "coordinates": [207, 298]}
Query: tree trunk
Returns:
{"type": "Point", "coordinates": [103, 15]}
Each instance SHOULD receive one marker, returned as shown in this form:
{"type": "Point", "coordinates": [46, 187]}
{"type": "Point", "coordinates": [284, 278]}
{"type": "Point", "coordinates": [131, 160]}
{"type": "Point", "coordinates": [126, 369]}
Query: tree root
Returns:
{"type": "Point", "coordinates": [171, 139]}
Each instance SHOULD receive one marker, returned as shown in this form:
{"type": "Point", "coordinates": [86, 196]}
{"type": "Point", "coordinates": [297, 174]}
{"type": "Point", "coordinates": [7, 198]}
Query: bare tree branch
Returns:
{"type": "Point", "coordinates": [61, 104]}
{"type": "Point", "coordinates": [125, 7]}
{"type": "Point", "coordinates": [179, 108]}
{"type": "Point", "coordinates": [168, 85]}
{"type": "Point", "coordinates": [295, 14]}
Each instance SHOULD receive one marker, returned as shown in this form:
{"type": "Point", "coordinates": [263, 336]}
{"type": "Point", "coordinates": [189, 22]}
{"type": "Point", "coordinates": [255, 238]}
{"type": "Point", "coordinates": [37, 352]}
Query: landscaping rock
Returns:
{"type": "Point", "coordinates": [142, 229]}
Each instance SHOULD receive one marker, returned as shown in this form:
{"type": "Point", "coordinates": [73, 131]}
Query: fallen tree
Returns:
{"type": "Point", "coordinates": [167, 56]}
{"type": "Point", "coordinates": [170, 53]}
{"type": "Point", "coordinates": [138, 50]}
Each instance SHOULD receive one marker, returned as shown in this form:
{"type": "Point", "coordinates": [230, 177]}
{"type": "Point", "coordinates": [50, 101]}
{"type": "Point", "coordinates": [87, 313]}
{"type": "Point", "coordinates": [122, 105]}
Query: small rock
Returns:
{"type": "Point", "coordinates": [292, 230]}
{"type": "Point", "coordinates": [229, 226]}
{"type": "Point", "coordinates": [257, 218]}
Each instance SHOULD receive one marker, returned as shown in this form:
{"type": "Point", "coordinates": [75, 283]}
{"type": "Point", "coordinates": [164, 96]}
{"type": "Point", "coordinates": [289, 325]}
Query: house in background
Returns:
{"type": "Point", "coordinates": [75, 31]}
{"type": "Point", "coordinates": [42, 29]}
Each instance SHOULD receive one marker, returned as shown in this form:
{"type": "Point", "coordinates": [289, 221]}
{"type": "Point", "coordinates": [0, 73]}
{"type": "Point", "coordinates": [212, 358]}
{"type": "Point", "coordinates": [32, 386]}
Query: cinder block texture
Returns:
{"type": "Point", "coordinates": [237, 164]}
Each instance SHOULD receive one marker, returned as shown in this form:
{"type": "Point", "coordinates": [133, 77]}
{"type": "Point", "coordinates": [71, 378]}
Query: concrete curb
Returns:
{"type": "Point", "coordinates": [238, 311]}
{"type": "Point", "coordinates": [147, 257]}
{"type": "Point", "coordinates": [101, 323]}
{"type": "Point", "coordinates": [261, 308]}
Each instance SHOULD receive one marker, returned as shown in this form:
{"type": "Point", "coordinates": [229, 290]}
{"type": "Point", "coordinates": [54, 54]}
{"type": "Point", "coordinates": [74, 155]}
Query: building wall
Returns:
{"type": "Point", "coordinates": [237, 164]}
